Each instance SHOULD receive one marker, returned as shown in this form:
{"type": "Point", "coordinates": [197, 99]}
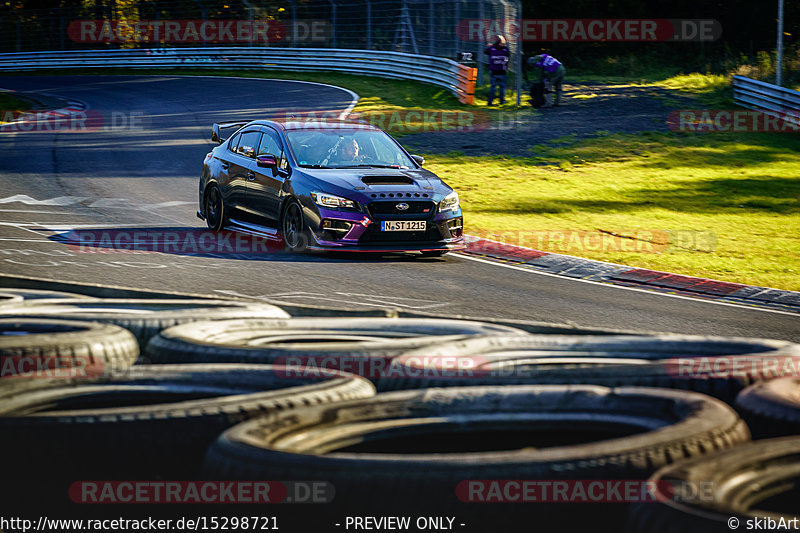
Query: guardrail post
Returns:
{"type": "Point", "coordinates": [481, 44]}
{"type": "Point", "coordinates": [249, 7]}
{"type": "Point", "coordinates": [61, 28]}
{"type": "Point", "coordinates": [294, 23]}
{"type": "Point", "coordinates": [202, 15]}
{"type": "Point", "coordinates": [520, 65]}
{"type": "Point", "coordinates": [19, 32]}
{"type": "Point", "coordinates": [333, 23]}
{"type": "Point", "coordinates": [779, 66]}
{"type": "Point", "coordinates": [430, 28]}
{"type": "Point", "coordinates": [456, 17]}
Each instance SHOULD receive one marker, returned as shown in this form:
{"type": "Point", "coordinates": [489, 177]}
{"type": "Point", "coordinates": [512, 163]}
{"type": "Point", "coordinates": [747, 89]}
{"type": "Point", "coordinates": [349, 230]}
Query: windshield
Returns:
{"type": "Point", "coordinates": [342, 148]}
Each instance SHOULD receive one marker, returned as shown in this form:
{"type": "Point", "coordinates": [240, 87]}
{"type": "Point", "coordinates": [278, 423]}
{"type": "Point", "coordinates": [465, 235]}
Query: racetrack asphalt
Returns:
{"type": "Point", "coordinates": [146, 177]}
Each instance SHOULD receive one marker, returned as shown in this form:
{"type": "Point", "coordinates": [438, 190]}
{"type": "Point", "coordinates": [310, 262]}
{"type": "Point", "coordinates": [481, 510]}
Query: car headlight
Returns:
{"type": "Point", "coordinates": [449, 202]}
{"type": "Point", "coordinates": [332, 201]}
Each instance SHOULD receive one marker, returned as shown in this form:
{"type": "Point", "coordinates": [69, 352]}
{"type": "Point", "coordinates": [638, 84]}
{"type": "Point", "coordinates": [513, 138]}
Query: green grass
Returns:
{"type": "Point", "coordinates": [717, 206]}
{"type": "Point", "coordinates": [724, 206]}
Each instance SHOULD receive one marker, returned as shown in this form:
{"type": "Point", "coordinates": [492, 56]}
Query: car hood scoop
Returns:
{"type": "Point", "coordinates": [387, 180]}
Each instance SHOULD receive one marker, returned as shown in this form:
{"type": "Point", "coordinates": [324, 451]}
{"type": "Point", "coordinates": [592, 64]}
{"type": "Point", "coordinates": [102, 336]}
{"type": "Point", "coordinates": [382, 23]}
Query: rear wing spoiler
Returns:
{"type": "Point", "coordinates": [215, 129]}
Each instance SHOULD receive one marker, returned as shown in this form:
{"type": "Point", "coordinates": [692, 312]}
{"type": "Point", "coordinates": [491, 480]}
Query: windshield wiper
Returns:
{"type": "Point", "coordinates": [316, 166]}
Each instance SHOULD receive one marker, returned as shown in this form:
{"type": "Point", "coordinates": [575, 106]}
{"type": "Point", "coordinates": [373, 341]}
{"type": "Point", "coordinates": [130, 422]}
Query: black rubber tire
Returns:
{"type": "Point", "coordinates": [771, 408]}
{"type": "Point", "coordinates": [434, 253]}
{"type": "Point", "coordinates": [52, 348]}
{"type": "Point", "coordinates": [145, 317]}
{"type": "Point", "coordinates": [607, 360]}
{"type": "Point", "coordinates": [703, 494]}
{"type": "Point", "coordinates": [40, 296]}
{"type": "Point", "coordinates": [154, 420]}
{"type": "Point", "coordinates": [395, 446]}
{"type": "Point", "coordinates": [293, 223]}
{"type": "Point", "coordinates": [300, 342]}
{"type": "Point", "coordinates": [216, 215]}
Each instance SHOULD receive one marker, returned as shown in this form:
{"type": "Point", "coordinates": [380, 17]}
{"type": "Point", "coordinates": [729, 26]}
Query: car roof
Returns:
{"type": "Point", "coordinates": [303, 123]}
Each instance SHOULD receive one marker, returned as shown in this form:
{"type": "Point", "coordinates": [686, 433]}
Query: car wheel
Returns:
{"type": "Point", "coordinates": [214, 209]}
{"type": "Point", "coordinates": [295, 237]}
{"type": "Point", "coordinates": [434, 253]}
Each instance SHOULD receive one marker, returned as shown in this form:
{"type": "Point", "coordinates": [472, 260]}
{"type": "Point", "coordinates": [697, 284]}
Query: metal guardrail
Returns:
{"type": "Point", "coordinates": [766, 97]}
{"type": "Point", "coordinates": [446, 73]}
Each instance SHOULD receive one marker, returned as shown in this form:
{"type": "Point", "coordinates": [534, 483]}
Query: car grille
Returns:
{"type": "Point", "coordinates": [389, 209]}
{"type": "Point", "coordinates": [374, 235]}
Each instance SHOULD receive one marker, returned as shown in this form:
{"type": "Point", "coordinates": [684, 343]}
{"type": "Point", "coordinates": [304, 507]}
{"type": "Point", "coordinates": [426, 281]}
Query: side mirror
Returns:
{"type": "Point", "coordinates": [267, 161]}
{"type": "Point", "coordinates": [419, 159]}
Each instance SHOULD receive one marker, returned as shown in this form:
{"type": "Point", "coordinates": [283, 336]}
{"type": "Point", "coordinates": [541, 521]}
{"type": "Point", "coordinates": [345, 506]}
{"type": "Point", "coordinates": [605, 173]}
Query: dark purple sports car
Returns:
{"type": "Point", "coordinates": [327, 185]}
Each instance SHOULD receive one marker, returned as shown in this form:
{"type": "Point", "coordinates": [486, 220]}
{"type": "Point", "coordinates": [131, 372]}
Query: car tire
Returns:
{"type": "Point", "coordinates": [608, 360]}
{"type": "Point", "coordinates": [214, 209]}
{"type": "Point", "coordinates": [145, 317]}
{"type": "Point", "coordinates": [362, 346]}
{"type": "Point", "coordinates": [43, 348]}
{"type": "Point", "coordinates": [153, 420]}
{"type": "Point", "coordinates": [719, 492]}
{"type": "Point", "coordinates": [293, 227]}
{"type": "Point", "coordinates": [413, 451]}
{"type": "Point", "coordinates": [434, 253]}
{"type": "Point", "coordinates": [771, 408]}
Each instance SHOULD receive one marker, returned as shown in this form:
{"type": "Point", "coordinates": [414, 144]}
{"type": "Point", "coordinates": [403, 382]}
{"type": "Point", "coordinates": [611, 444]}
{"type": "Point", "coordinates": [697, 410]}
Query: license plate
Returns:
{"type": "Point", "coordinates": [402, 225]}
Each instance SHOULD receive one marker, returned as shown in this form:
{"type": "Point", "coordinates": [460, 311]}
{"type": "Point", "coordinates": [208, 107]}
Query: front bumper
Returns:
{"type": "Point", "coordinates": [357, 231]}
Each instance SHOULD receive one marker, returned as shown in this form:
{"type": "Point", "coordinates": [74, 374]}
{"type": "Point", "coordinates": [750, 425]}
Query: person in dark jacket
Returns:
{"type": "Point", "coordinates": [545, 66]}
{"type": "Point", "coordinates": [498, 66]}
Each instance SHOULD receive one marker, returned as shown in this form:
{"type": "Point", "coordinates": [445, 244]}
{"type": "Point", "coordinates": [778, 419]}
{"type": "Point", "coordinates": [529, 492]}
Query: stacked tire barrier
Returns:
{"type": "Point", "coordinates": [435, 416]}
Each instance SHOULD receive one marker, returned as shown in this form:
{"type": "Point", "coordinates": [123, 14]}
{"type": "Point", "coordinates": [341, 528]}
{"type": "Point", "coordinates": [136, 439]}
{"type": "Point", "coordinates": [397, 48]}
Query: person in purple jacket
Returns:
{"type": "Point", "coordinates": [498, 66]}
{"type": "Point", "coordinates": [548, 67]}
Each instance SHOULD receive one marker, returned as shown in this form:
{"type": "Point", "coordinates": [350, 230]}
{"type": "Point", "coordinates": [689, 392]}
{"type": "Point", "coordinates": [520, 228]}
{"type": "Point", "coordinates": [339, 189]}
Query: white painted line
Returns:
{"type": "Point", "coordinates": [27, 200]}
{"type": "Point", "coordinates": [23, 226]}
{"type": "Point", "coordinates": [116, 203]}
{"type": "Point", "coordinates": [67, 227]}
{"type": "Point", "coordinates": [622, 287]}
{"type": "Point", "coordinates": [281, 298]}
{"type": "Point", "coordinates": [380, 299]}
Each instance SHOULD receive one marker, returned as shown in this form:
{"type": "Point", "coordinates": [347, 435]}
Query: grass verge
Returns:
{"type": "Point", "coordinates": [708, 205]}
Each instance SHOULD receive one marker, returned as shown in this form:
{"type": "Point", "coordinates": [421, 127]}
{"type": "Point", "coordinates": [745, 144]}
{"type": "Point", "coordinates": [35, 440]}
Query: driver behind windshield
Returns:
{"type": "Point", "coordinates": [347, 153]}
